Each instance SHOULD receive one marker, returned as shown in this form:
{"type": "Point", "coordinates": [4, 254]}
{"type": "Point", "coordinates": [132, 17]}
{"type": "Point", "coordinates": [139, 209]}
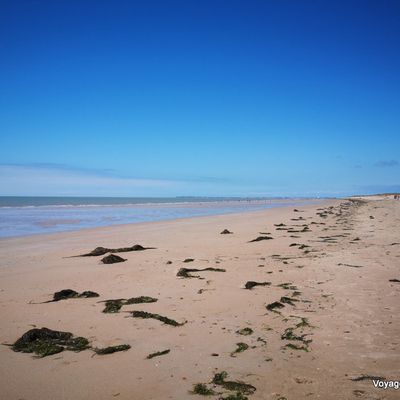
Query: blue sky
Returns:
{"type": "Point", "coordinates": [248, 98]}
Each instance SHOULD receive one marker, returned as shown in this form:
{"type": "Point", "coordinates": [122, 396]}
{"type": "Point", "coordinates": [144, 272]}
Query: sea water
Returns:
{"type": "Point", "coordinates": [20, 216]}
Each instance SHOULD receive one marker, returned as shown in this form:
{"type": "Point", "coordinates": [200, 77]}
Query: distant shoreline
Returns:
{"type": "Point", "coordinates": [33, 220]}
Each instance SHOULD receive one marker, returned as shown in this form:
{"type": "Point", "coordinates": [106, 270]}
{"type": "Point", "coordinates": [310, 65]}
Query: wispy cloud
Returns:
{"type": "Point", "coordinates": [386, 163]}
{"type": "Point", "coordinates": [58, 179]}
{"type": "Point", "coordinates": [51, 179]}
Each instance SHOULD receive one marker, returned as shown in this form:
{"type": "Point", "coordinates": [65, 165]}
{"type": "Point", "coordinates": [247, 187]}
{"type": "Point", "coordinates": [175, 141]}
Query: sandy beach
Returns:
{"type": "Point", "coordinates": [323, 320]}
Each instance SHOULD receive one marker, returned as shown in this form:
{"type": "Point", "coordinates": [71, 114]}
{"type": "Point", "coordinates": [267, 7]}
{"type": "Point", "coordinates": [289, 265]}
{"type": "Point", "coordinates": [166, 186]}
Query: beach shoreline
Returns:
{"type": "Point", "coordinates": [333, 261]}
{"type": "Point", "coordinates": [268, 205]}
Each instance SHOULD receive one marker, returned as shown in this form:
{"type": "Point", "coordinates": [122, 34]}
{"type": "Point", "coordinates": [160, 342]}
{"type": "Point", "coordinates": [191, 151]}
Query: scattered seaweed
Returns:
{"type": "Point", "coordinates": [186, 272]}
{"type": "Point", "coordinates": [45, 342]}
{"type": "Point", "coordinates": [250, 284]}
{"type": "Point", "coordinates": [260, 238]}
{"type": "Point", "coordinates": [245, 331]}
{"type": "Point", "coordinates": [158, 353]}
{"type": "Point", "coordinates": [290, 335]}
{"type": "Point", "coordinates": [394, 280]}
{"type": "Point", "coordinates": [112, 259]}
{"type": "Point", "coordinates": [112, 349]}
{"type": "Point", "coordinates": [226, 232]}
{"type": "Point", "coordinates": [287, 286]}
{"type": "Point", "coordinates": [240, 348]}
{"type": "Point", "coordinates": [234, 386]}
{"type": "Point", "coordinates": [188, 260]}
{"type": "Point", "coordinates": [147, 315]}
{"type": "Point", "coordinates": [304, 323]}
{"type": "Point", "coordinates": [202, 389]}
{"type": "Point", "coordinates": [100, 251]}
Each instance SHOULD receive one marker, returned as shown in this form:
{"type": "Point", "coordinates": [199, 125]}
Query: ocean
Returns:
{"type": "Point", "coordinates": [21, 216]}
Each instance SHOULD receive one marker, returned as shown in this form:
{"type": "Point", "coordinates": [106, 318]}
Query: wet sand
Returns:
{"type": "Point", "coordinates": [328, 266]}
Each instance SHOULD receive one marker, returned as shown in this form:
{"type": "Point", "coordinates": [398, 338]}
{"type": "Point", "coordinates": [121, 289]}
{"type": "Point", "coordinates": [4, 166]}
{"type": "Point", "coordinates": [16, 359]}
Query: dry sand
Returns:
{"type": "Point", "coordinates": [345, 294]}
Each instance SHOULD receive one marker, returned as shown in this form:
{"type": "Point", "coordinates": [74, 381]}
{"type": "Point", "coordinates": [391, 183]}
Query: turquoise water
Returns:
{"type": "Point", "coordinates": [20, 216]}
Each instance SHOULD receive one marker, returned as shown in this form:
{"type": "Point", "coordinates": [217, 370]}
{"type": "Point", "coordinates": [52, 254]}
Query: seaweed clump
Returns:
{"type": "Point", "coordinates": [367, 378]}
{"type": "Point", "coordinates": [113, 306]}
{"type": "Point", "coordinates": [287, 286]}
{"type": "Point", "coordinates": [274, 305]}
{"type": "Point", "coordinates": [147, 315]}
{"type": "Point", "coordinates": [112, 259]}
{"type": "Point", "coordinates": [140, 299]}
{"type": "Point", "coordinates": [245, 331]}
{"type": "Point", "coordinates": [158, 353]}
{"type": "Point", "coordinates": [236, 386]}
{"type": "Point", "coordinates": [186, 272]}
{"type": "Point", "coordinates": [236, 396]}
{"type": "Point", "coordinates": [71, 294]}
{"type": "Point", "coordinates": [260, 238]}
{"type": "Point", "coordinates": [290, 335]}
{"type": "Point", "coordinates": [226, 232]}
{"type": "Point", "coordinates": [250, 284]}
{"type": "Point", "coordinates": [45, 342]}
{"type": "Point", "coordinates": [288, 300]}
{"type": "Point", "coordinates": [112, 349]}
{"type": "Point", "coordinates": [293, 346]}
{"type": "Point", "coordinates": [202, 389]}
{"type": "Point", "coordinates": [100, 251]}
{"type": "Point", "coordinates": [241, 347]}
